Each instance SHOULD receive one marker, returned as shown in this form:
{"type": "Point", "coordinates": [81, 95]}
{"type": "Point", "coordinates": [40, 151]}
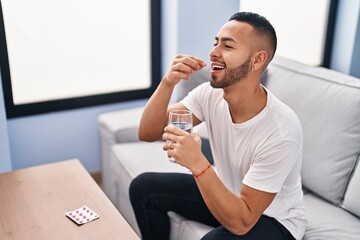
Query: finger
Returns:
{"type": "Point", "coordinates": [181, 75]}
{"type": "Point", "coordinates": [181, 71]}
{"type": "Point", "coordinates": [168, 146]}
{"type": "Point", "coordinates": [182, 67]}
{"type": "Point", "coordinates": [191, 61]}
{"type": "Point", "coordinates": [195, 63]}
{"type": "Point", "coordinates": [200, 62]}
{"type": "Point", "coordinates": [169, 154]}
{"type": "Point", "coordinates": [171, 129]}
{"type": "Point", "coordinates": [168, 137]}
{"type": "Point", "coordinates": [173, 134]}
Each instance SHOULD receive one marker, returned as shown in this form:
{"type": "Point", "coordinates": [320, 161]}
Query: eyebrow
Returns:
{"type": "Point", "coordinates": [225, 39]}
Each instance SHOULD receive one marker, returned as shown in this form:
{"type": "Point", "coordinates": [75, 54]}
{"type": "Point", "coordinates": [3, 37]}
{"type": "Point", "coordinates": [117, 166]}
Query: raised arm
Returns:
{"type": "Point", "coordinates": [154, 117]}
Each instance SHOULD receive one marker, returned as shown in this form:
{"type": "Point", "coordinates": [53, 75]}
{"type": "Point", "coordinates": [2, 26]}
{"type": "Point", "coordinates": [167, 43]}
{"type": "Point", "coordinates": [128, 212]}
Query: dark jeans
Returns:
{"type": "Point", "coordinates": [152, 195]}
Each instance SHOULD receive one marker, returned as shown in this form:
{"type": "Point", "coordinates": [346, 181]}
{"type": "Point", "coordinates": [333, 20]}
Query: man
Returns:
{"type": "Point", "coordinates": [256, 143]}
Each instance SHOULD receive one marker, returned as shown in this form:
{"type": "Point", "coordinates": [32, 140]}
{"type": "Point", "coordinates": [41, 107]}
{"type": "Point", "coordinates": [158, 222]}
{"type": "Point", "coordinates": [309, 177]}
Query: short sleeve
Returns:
{"type": "Point", "coordinates": [272, 165]}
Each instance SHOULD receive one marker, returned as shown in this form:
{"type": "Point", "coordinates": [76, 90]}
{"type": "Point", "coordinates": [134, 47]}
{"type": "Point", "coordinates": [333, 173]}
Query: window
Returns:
{"type": "Point", "coordinates": [64, 54]}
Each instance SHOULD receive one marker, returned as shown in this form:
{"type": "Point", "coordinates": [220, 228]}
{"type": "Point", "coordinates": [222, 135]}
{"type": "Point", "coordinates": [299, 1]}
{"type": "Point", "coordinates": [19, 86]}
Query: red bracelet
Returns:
{"type": "Point", "coordinates": [196, 176]}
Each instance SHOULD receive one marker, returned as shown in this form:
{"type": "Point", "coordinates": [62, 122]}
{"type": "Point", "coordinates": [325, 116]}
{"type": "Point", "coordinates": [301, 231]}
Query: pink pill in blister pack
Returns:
{"type": "Point", "coordinates": [82, 215]}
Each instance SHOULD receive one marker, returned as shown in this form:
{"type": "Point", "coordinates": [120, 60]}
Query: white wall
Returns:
{"type": "Point", "coordinates": [198, 23]}
{"type": "Point", "coordinates": [169, 39]}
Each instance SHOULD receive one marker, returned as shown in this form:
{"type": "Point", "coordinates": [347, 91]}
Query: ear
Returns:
{"type": "Point", "coordinates": [259, 60]}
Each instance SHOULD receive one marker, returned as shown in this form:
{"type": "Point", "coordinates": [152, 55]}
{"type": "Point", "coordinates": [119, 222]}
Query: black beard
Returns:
{"type": "Point", "coordinates": [232, 76]}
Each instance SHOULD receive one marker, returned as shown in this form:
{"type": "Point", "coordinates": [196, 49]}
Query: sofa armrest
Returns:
{"type": "Point", "coordinates": [119, 122]}
{"type": "Point", "coordinates": [115, 127]}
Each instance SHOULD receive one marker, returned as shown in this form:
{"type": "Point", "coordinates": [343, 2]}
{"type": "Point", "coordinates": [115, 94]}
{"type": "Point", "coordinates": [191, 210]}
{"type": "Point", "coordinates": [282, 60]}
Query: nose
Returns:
{"type": "Point", "coordinates": [214, 53]}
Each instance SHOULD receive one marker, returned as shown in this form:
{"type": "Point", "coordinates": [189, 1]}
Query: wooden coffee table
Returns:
{"type": "Point", "coordinates": [33, 202]}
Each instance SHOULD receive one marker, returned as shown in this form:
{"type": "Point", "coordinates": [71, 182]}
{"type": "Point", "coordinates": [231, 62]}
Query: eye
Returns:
{"type": "Point", "coordinates": [227, 46]}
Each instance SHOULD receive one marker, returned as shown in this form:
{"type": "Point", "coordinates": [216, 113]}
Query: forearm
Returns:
{"type": "Point", "coordinates": [154, 117]}
{"type": "Point", "coordinates": [230, 210]}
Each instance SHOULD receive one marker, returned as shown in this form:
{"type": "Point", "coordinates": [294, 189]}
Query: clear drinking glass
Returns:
{"type": "Point", "coordinates": [181, 119]}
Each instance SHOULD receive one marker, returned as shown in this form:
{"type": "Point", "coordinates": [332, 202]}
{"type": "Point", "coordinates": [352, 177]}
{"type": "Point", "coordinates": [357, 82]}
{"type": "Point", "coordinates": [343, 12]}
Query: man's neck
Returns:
{"type": "Point", "coordinates": [245, 100]}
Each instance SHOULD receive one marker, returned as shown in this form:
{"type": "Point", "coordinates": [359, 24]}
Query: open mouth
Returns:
{"type": "Point", "coordinates": [216, 67]}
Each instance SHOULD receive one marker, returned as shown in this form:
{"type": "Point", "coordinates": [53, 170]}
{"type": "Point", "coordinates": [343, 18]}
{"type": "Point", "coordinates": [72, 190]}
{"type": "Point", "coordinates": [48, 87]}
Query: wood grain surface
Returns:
{"type": "Point", "coordinates": [33, 202]}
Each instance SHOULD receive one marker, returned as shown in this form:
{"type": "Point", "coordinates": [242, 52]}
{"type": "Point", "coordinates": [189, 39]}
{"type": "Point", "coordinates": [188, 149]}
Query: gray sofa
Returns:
{"type": "Point", "coordinates": [328, 106]}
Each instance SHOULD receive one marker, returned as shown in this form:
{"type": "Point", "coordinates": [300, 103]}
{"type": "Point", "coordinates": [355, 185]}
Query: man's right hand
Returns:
{"type": "Point", "coordinates": [181, 68]}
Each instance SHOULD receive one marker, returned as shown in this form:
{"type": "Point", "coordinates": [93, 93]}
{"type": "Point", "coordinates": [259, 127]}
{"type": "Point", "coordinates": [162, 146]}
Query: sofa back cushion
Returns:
{"type": "Point", "coordinates": [328, 106]}
{"type": "Point", "coordinates": [352, 196]}
{"type": "Point", "coordinates": [185, 86]}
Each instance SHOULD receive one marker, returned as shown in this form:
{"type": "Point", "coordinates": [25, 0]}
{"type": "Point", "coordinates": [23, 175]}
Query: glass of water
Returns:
{"type": "Point", "coordinates": [181, 119]}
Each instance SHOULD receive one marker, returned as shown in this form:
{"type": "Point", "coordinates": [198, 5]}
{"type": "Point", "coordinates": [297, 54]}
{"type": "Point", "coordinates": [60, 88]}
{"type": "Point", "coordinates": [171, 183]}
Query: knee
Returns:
{"type": "Point", "coordinates": [139, 186]}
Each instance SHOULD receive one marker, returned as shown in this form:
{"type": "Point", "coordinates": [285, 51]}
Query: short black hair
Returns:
{"type": "Point", "coordinates": [260, 24]}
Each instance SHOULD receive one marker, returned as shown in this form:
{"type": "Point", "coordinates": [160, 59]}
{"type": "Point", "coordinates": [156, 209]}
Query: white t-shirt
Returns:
{"type": "Point", "coordinates": [264, 152]}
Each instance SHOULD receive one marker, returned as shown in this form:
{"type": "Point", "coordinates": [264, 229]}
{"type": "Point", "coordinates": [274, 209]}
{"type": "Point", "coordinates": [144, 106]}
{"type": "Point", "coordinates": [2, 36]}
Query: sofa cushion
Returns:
{"type": "Point", "coordinates": [113, 121]}
{"type": "Point", "coordinates": [193, 230]}
{"type": "Point", "coordinates": [131, 157]}
{"type": "Point", "coordinates": [127, 161]}
{"type": "Point", "coordinates": [127, 135]}
{"type": "Point", "coordinates": [326, 221]}
{"type": "Point", "coordinates": [328, 106]}
{"type": "Point", "coordinates": [197, 78]}
{"type": "Point", "coordinates": [181, 228]}
{"type": "Point", "coordinates": [206, 150]}
{"type": "Point", "coordinates": [352, 196]}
